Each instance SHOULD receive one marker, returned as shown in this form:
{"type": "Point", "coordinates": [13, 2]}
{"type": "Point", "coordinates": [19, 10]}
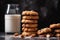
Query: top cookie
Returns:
{"type": "Point", "coordinates": [29, 13]}
{"type": "Point", "coordinates": [55, 26]}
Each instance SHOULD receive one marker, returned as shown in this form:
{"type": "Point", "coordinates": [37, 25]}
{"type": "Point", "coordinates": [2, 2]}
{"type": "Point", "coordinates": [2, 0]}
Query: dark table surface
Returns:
{"type": "Point", "coordinates": [4, 36]}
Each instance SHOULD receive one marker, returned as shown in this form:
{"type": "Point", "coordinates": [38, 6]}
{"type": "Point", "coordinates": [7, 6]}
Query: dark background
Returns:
{"type": "Point", "coordinates": [53, 14]}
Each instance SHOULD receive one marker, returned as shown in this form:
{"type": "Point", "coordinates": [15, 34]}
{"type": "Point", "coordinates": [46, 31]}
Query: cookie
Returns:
{"type": "Point", "coordinates": [44, 30]}
{"type": "Point", "coordinates": [30, 17]}
{"type": "Point", "coordinates": [30, 25]}
{"type": "Point", "coordinates": [33, 35]}
{"type": "Point", "coordinates": [16, 34]}
{"type": "Point", "coordinates": [58, 25]}
{"type": "Point", "coordinates": [57, 35]}
{"type": "Point", "coordinates": [28, 33]}
{"type": "Point", "coordinates": [55, 26]}
{"type": "Point", "coordinates": [39, 32]}
{"type": "Point", "coordinates": [29, 29]}
{"type": "Point", "coordinates": [57, 30]}
{"type": "Point", "coordinates": [23, 28]}
{"type": "Point", "coordinates": [29, 21]}
{"type": "Point", "coordinates": [29, 13]}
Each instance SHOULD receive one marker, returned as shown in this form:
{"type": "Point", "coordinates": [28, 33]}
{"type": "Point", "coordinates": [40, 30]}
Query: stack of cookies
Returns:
{"type": "Point", "coordinates": [53, 30]}
{"type": "Point", "coordinates": [29, 23]}
{"type": "Point", "coordinates": [44, 32]}
{"type": "Point", "coordinates": [56, 29]}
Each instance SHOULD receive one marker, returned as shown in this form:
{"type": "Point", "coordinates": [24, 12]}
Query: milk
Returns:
{"type": "Point", "coordinates": [12, 23]}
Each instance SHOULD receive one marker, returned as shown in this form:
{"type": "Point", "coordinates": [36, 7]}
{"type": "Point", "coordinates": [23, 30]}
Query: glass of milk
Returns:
{"type": "Point", "coordinates": [12, 19]}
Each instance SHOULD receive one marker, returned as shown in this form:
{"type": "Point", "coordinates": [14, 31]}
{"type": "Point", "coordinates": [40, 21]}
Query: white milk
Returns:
{"type": "Point", "coordinates": [12, 23]}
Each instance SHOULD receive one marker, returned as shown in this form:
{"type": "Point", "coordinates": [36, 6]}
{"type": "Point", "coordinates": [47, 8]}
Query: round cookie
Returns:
{"type": "Point", "coordinates": [58, 25]}
{"type": "Point", "coordinates": [53, 26]}
{"type": "Point", "coordinates": [24, 29]}
{"type": "Point", "coordinates": [29, 29]}
{"type": "Point", "coordinates": [29, 13]}
{"type": "Point", "coordinates": [29, 21]}
{"type": "Point", "coordinates": [44, 30]}
{"type": "Point", "coordinates": [16, 34]}
{"type": "Point", "coordinates": [30, 25]}
{"type": "Point", "coordinates": [28, 33]}
{"type": "Point", "coordinates": [30, 17]}
{"type": "Point", "coordinates": [39, 32]}
{"type": "Point", "coordinates": [33, 35]}
{"type": "Point", "coordinates": [57, 30]}
{"type": "Point", "coordinates": [57, 35]}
